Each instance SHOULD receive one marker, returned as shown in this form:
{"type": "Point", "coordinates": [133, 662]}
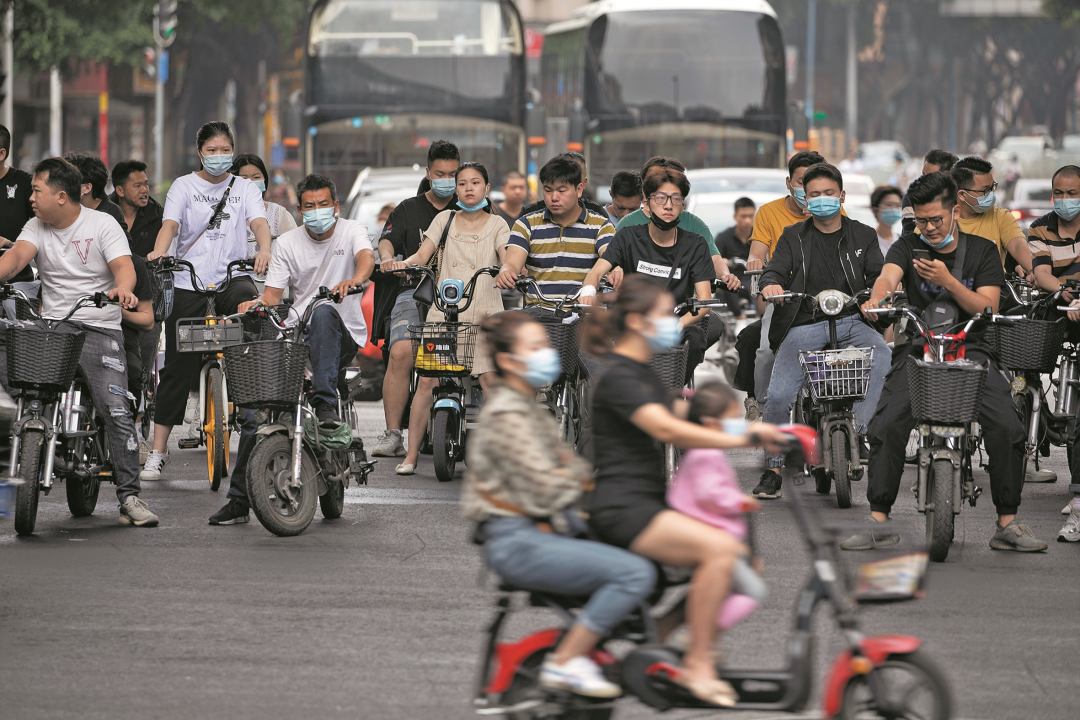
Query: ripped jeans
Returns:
{"type": "Point", "coordinates": [103, 364]}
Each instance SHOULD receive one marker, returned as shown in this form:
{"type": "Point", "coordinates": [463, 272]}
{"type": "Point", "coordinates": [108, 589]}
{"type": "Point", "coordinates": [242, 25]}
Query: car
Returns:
{"type": "Point", "coordinates": [713, 192]}
{"type": "Point", "coordinates": [1070, 143]}
{"type": "Point", "coordinates": [372, 179]}
{"type": "Point", "coordinates": [881, 153]}
{"type": "Point", "coordinates": [1032, 198]}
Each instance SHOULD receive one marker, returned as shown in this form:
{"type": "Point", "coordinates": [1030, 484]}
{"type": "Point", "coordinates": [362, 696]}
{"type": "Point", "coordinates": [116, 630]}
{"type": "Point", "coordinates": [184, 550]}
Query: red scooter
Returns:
{"type": "Point", "coordinates": [885, 676]}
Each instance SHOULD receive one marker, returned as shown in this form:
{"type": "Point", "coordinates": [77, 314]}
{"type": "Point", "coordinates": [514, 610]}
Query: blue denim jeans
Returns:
{"type": "Point", "coordinates": [787, 374]}
{"type": "Point", "coordinates": [763, 360]}
{"type": "Point", "coordinates": [331, 348]}
{"type": "Point", "coordinates": [617, 580]}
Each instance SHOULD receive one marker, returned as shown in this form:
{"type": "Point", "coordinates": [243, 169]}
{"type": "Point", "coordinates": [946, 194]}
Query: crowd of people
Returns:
{"type": "Point", "coordinates": [954, 247]}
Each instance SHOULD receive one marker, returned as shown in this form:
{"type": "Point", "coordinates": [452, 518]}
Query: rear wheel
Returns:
{"type": "Point", "coordinates": [269, 473]}
{"type": "Point", "coordinates": [26, 497]}
{"type": "Point", "coordinates": [912, 685]}
{"type": "Point", "coordinates": [332, 502]}
{"type": "Point", "coordinates": [939, 521]}
{"type": "Point", "coordinates": [217, 430]}
{"type": "Point", "coordinates": [444, 449]}
{"type": "Point", "coordinates": [841, 467]}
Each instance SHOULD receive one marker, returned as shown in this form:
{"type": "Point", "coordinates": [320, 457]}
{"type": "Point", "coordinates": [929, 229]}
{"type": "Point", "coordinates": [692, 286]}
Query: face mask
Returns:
{"type": "Point", "coordinates": [735, 426]}
{"type": "Point", "coordinates": [261, 184]}
{"type": "Point", "coordinates": [475, 208]}
{"type": "Point", "coordinates": [278, 179]}
{"type": "Point", "coordinates": [823, 207]}
{"type": "Point", "coordinates": [890, 216]}
{"type": "Point", "coordinates": [666, 332]}
{"type": "Point", "coordinates": [217, 165]}
{"type": "Point", "coordinates": [319, 220]}
{"type": "Point", "coordinates": [984, 204]}
{"type": "Point", "coordinates": [946, 242]}
{"type": "Point", "coordinates": [1067, 208]}
{"type": "Point", "coordinates": [800, 196]}
{"type": "Point", "coordinates": [443, 187]}
{"type": "Point", "coordinates": [663, 225]}
{"type": "Point", "coordinates": [542, 367]}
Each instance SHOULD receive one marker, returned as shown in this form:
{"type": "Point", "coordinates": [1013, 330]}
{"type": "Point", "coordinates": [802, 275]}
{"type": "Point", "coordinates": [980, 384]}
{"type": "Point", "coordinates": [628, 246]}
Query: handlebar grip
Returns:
{"type": "Point", "coordinates": [1067, 308]}
{"type": "Point", "coordinates": [751, 273]}
{"type": "Point", "coordinates": [1004, 321]}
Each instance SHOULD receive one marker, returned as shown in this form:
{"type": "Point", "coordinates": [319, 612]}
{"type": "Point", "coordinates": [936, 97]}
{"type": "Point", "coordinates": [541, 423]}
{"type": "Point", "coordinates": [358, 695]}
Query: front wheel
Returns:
{"type": "Point", "coordinates": [269, 474]}
{"type": "Point", "coordinates": [912, 686]}
{"type": "Point", "coordinates": [26, 497]}
{"type": "Point", "coordinates": [841, 467]}
{"type": "Point", "coordinates": [939, 521]}
{"type": "Point", "coordinates": [444, 449]}
{"type": "Point", "coordinates": [217, 430]}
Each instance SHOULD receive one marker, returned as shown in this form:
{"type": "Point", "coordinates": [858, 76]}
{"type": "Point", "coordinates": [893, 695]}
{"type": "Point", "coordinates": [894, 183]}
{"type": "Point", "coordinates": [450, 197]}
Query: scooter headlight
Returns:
{"type": "Point", "coordinates": [1019, 383]}
{"type": "Point", "coordinates": [831, 302]}
{"type": "Point", "coordinates": [948, 431]}
{"type": "Point", "coordinates": [451, 290]}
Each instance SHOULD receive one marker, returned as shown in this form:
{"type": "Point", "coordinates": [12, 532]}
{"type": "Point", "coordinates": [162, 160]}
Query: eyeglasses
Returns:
{"type": "Point", "coordinates": [990, 189]}
{"type": "Point", "coordinates": [661, 199]}
{"type": "Point", "coordinates": [935, 221]}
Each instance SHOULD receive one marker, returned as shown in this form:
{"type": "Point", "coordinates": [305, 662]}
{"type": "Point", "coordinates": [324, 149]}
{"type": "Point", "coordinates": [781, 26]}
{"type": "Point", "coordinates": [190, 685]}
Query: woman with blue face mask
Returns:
{"type": "Point", "coordinates": [885, 204]}
{"type": "Point", "coordinates": [476, 238]}
{"type": "Point", "coordinates": [632, 412]}
{"type": "Point", "coordinates": [250, 167]}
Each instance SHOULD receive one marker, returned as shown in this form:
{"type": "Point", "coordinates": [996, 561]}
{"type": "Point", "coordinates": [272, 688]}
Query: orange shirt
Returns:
{"type": "Point", "coordinates": [772, 219]}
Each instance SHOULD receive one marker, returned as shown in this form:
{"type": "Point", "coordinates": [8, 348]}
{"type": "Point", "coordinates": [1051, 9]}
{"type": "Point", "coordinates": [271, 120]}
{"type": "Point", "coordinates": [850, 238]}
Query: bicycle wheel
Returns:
{"type": "Point", "coordinates": [332, 502]}
{"type": "Point", "coordinates": [1022, 402]}
{"type": "Point", "coordinates": [913, 686]}
{"type": "Point", "coordinates": [217, 430]}
{"type": "Point", "coordinates": [841, 468]}
{"type": "Point", "coordinates": [939, 521]}
{"type": "Point", "coordinates": [269, 474]}
{"type": "Point", "coordinates": [26, 497]}
{"type": "Point", "coordinates": [444, 443]}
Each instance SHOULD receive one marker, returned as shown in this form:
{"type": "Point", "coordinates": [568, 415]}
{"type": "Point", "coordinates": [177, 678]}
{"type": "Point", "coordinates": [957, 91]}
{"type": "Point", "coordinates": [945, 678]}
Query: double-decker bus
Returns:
{"type": "Point", "coordinates": [385, 78]}
{"type": "Point", "coordinates": [699, 80]}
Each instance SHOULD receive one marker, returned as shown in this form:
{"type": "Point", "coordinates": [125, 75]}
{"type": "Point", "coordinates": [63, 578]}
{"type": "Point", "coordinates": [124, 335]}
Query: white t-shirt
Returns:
{"type": "Point", "coordinates": [75, 261]}
{"type": "Point", "coordinates": [191, 202]}
{"type": "Point", "coordinates": [296, 257]}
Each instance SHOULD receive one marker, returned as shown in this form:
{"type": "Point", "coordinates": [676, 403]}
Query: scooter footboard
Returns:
{"type": "Point", "coordinates": [877, 650]}
{"type": "Point", "coordinates": [787, 690]}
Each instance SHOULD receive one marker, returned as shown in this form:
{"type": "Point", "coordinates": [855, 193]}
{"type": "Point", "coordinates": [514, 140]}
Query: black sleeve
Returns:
{"type": "Point", "coordinates": [618, 250]}
{"type": "Point", "coordinates": [700, 265]}
{"type": "Point", "coordinates": [621, 392]}
{"type": "Point", "coordinates": [874, 261]}
{"type": "Point", "coordinates": [899, 254]}
{"type": "Point", "coordinates": [142, 279]}
{"type": "Point", "coordinates": [778, 269]}
{"type": "Point", "coordinates": [988, 272]}
{"type": "Point", "coordinates": [395, 230]}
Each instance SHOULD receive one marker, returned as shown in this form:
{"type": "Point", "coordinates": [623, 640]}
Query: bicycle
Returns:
{"type": "Point", "coordinates": [56, 429]}
{"type": "Point", "coordinates": [209, 336]}
{"type": "Point", "coordinates": [294, 461]}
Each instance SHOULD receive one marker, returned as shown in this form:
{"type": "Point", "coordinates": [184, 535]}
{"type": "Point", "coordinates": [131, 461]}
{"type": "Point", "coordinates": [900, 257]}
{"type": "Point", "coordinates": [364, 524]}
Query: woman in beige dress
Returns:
{"type": "Point", "coordinates": [477, 239]}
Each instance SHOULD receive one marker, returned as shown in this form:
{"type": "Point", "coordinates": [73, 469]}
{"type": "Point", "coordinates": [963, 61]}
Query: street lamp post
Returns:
{"type": "Point", "coordinates": [164, 35]}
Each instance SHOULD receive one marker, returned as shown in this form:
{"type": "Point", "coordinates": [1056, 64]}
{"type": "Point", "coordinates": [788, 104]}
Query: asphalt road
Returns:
{"type": "Point", "coordinates": [379, 614]}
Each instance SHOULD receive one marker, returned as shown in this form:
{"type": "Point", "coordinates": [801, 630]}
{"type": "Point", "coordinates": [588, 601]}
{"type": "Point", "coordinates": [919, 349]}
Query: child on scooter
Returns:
{"type": "Point", "coordinates": [706, 488]}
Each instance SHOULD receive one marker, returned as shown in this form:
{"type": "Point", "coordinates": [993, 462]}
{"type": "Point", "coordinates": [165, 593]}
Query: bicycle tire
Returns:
{"type": "Point", "coordinates": [332, 502]}
{"type": "Point", "coordinates": [443, 444]}
{"type": "Point", "coordinates": [1022, 402]}
{"type": "Point", "coordinates": [217, 431]}
{"type": "Point", "coordinates": [841, 468]}
{"type": "Point", "coordinates": [939, 521]}
{"type": "Point", "coordinates": [271, 457]}
{"type": "Point", "coordinates": [919, 666]}
{"type": "Point", "coordinates": [27, 494]}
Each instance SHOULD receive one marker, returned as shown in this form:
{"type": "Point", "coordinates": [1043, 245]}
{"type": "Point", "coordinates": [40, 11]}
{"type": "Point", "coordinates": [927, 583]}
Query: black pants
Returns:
{"type": "Point", "coordinates": [695, 337]}
{"type": "Point", "coordinates": [892, 424]}
{"type": "Point", "coordinates": [180, 368]}
{"type": "Point", "coordinates": [747, 346]}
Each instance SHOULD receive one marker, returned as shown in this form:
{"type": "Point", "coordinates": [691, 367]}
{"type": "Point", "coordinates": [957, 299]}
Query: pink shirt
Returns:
{"type": "Point", "coordinates": [707, 489]}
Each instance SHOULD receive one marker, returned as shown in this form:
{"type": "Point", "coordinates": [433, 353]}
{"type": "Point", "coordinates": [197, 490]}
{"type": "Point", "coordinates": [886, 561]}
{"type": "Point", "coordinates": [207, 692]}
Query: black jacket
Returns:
{"type": "Point", "coordinates": [144, 230]}
{"type": "Point", "coordinates": [860, 258]}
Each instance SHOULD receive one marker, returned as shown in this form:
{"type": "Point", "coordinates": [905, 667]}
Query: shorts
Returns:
{"type": "Point", "coordinates": [619, 526]}
{"type": "Point", "coordinates": [402, 316]}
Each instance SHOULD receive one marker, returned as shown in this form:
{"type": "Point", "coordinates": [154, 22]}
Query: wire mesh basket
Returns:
{"type": "Point", "coordinates": [1028, 344]}
{"type": "Point", "coordinates": [563, 336]}
{"type": "Point", "coordinates": [945, 392]}
{"type": "Point", "coordinates": [835, 374]}
{"type": "Point", "coordinates": [207, 334]}
{"type": "Point", "coordinates": [670, 366]}
{"type": "Point", "coordinates": [162, 290]}
{"type": "Point", "coordinates": [267, 373]}
{"type": "Point", "coordinates": [42, 358]}
{"type": "Point", "coordinates": [442, 348]}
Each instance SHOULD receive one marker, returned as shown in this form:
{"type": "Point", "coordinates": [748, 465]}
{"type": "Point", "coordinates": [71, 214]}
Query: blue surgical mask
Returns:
{"type": "Point", "coordinates": [823, 207]}
{"type": "Point", "coordinates": [278, 179]}
{"type": "Point", "coordinates": [890, 216]}
{"type": "Point", "coordinates": [800, 196]}
{"type": "Point", "coordinates": [666, 332]}
{"type": "Point", "coordinates": [1067, 208]}
{"type": "Point", "coordinates": [474, 208]}
{"type": "Point", "coordinates": [217, 165]}
{"type": "Point", "coordinates": [542, 367]}
{"type": "Point", "coordinates": [319, 220]}
{"type": "Point", "coordinates": [735, 426]}
{"type": "Point", "coordinates": [443, 187]}
{"type": "Point", "coordinates": [984, 203]}
{"type": "Point", "coordinates": [946, 242]}
{"type": "Point", "coordinates": [261, 184]}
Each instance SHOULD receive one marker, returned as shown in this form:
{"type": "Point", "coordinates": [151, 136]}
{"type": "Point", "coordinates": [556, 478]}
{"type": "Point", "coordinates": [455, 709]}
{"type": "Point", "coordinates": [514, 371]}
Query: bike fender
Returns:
{"type": "Point", "coordinates": [274, 430]}
{"type": "Point", "coordinates": [447, 403]}
{"type": "Point", "coordinates": [508, 656]}
{"type": "Point", "coordinates": [877, 649]}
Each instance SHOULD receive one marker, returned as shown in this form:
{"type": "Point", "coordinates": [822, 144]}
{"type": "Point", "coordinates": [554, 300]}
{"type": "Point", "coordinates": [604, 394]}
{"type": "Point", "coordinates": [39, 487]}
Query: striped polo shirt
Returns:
{"type": "Point", "coordinates": [1049, 248]}
{"type": "Point", "coordinates": [560, 257]}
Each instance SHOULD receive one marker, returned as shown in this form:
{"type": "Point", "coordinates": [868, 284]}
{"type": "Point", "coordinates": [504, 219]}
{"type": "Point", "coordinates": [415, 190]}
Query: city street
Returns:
{"type": "Point", "coordinates": [380, 614]}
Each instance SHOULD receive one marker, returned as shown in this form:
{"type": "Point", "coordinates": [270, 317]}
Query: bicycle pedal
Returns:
{"type": "Point", "coordinates": [188, 443]}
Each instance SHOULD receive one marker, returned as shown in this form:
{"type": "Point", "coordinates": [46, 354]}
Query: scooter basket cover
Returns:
{"type": "Point", "coordinates": [42, 358]}
{"type": "Point", "coordinates": [268, 373]}
{"type": "Point", "coordinates": [442, 348]}
{"type": "Point", "coordinates": [834, 374]}
{"type": "Point", "coordinates": [1028, 344]}
{"type": "Point", "coordinates": [945, 392]}
{"type": "Point", "coordinates": [670, 366]}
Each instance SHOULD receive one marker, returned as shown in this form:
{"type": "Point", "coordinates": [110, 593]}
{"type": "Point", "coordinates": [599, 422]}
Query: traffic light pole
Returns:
{"type": "Point", "coordinates": [159, 123]}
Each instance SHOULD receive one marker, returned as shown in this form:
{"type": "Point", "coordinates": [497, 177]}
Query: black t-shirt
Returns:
{"type": "Point", "coordinates": [15, 211]}
{"type": "Point", "coordinates": [108, 207]}
{"type": "Point", "coordinates": [826, 272]}
{"type": "Point", "coordinates": [143, 292]}
{"type": "Point", "coordinates": [407, 224]}
{"type": "Point", "coordinates": [629, 463]}
{"type": "Point", "coordinates": [634, 251]}
{"type": "Point", "coordinates": [730, 246]}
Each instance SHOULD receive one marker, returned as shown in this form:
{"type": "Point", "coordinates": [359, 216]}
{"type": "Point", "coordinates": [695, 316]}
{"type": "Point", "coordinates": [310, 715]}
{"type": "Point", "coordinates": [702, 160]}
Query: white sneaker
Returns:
{"type": "Point", "coordinates": [1070, 531]}
{"type": "Point", "coordinates": [154, 462]}
{"type": "Point", "coordinates": [1067, 509]}
{"type": "Point", "coordinates": [579, 675]}
{"type": "Point", "coordinates": [389, 445]}
{"type": "Point", "coordinates": [191, 412]}
{"type": "Point", "coordinates": [135, 512]}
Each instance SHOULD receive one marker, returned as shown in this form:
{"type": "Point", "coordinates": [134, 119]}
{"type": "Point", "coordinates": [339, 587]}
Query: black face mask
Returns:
{"type": "Point", "coordinates": [663, 225]}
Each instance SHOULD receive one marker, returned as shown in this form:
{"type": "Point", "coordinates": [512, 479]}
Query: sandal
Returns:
{"type": "Point", "coordinates": [714, 692]}
{"type": "Point", "coordinates": [406, 469]}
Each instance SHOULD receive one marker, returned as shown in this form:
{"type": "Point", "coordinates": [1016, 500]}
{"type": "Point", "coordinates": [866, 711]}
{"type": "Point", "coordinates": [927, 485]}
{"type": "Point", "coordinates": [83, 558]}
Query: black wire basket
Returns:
{"type": "Point", "coordinates": [40, 358]}
{"type": "Point", "coordinates": [563, 336]}
{"type": "Point", "coordinates": [670, 366]}
{"type": "Point", "coordinates": [945, 392]}
{"type": "Point", "coordinates": [1028, 344]}
{"type": "Point", "coordinates": [443, 348]}
{"type": "Point", "coordinates": [267, 373]}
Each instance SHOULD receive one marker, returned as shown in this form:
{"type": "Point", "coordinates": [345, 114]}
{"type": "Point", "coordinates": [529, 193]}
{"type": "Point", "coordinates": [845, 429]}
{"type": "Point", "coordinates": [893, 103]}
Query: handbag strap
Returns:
{"type": "Point", "coordinates": [441, 250]}
{"type": "Point", "coordinates": [218, 209]}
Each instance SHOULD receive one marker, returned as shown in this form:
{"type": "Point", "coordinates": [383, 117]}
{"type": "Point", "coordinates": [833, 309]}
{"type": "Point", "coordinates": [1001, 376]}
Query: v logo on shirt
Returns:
{"type": "Point", "coordinates": [83, 248]}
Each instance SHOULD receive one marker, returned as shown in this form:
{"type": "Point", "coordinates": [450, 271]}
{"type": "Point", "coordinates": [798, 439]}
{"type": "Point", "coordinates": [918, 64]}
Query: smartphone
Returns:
{"type": "Point", "coordinates": [920, 254]}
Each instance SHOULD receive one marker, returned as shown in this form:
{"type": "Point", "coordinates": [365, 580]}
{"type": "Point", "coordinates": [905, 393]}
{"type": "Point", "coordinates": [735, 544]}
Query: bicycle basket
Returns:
{"type": "Point", "coordinates": [161, 292]}
{"type": "Point", "coordinates": [42, 358]}
{"type": "Point", "coordinates": [562, 336]}
{"type": "Point", "coordinates": [267, 373]}
{"type": "Point", "coordinates": [946, 392]}
{"type": "Point", "coordinates": [203, 334]}
{"type": "Point", "coordinates": [442, 348]}
{"type": "Point", "coordinates": [833, 374]}
{"type": "Point", "coordinates": [893, 579]}
{"type": "Point", "coordinates": [25, 310]}
{"type": "Point", "coordinates": [1028, 344]}
{"type": "Point", "coordinates": [670, 366]}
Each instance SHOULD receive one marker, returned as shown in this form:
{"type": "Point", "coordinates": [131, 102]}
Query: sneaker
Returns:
{"type": "Point", "coordinates": [769, 486]}
{"type": "Point", "coordinates": [144, 451]}
{"type": "Point", "coordinates": [134, 511]}
{"type": "Point", "coordinates": [1070, 531]}
{"type": "Point", "coordinates": [327, 414]}
{"type": "Point", "coordinates": [864, 450]}
{"type": "Point", "coordinates": [1067, 509]}
{"type": "Point", "coordinates": [1015, 536]}
{"type": "Point", "coordinates": [152, 467]}
{"type": "Point", "coordinates": [753, 412]}
{"type": "Point", "coordinates": [579, 675]}
{"type": "Point", "coordinates": [389, 445]}
{"type": "Point", "coordinates": [869, 539]}
{"type": "Point", "coordinates": [234, 513]}
{"type": "Point", "coordinates": [191, 412]}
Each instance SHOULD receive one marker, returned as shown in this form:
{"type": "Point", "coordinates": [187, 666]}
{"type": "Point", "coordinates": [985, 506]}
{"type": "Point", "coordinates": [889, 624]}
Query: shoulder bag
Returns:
{"type": "Point", "coordinates": [425, 290]}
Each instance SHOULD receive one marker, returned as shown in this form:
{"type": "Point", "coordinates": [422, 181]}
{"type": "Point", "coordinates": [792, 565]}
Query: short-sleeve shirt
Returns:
{"type": "Point", "coordinates": [75, 261]}
{"type": "Point", "coordinates": [996, 225]}
{"type": "Point", "coordinates": [1061, 255]}
{"type": "Point", "coordinates": [560, 257]}
{"type": "Point", "coordinates": [296, 258]}
{"type": "Point", "coordinates": [687, 221]}
{"type": "Point", "coordinates": [772, 219]}
{"type": "Point", "coordinates": [629, 463]}
{"type": "Point", "coordinates": [635, 252]}
{"type": "Point", "coordinates": [190, 203]}
{"type": "Point", "coordinates": [408, 222]}
{"type": "Point", "coordinates": [16, 210]}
